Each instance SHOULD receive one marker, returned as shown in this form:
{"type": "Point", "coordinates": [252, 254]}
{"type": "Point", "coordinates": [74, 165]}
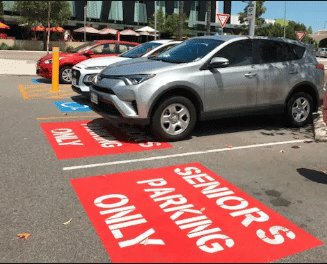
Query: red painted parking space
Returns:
{"type": "Point", "coordinates": [81, 139]}
{"type": "Point", "coordinates": [185, 213]}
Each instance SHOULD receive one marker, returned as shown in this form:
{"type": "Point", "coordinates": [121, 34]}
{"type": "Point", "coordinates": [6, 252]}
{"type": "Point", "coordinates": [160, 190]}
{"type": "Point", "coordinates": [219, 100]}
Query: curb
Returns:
{"type": "Point", "coordinates": [320, 127]}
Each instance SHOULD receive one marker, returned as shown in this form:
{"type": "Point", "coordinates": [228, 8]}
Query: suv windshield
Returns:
{"type": "Point", "coordinates": [139, 51]}
{"type": "Point", "coordinates": [82, 47]}
{"type": "Point", "coordinates": [190, 50]}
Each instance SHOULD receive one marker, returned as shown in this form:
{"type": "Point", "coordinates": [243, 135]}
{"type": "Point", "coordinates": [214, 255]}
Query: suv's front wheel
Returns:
{"type": "Point", "coordinates": [299, 109]}
{"type": "Point", "coordinates": [173, 119]}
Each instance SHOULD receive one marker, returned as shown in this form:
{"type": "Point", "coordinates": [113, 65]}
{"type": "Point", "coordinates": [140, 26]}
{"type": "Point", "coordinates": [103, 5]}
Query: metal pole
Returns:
{"type": "Point", "coordinates": [48, 37]}
{"type": "Point", "coordinates": [155, 20]}
{"type": "Point", "coordinates": [85, 14]}
{"type": "Point", "coordinates": [252, 19]}
{"type": "Point", "coordinates": [285, 20]}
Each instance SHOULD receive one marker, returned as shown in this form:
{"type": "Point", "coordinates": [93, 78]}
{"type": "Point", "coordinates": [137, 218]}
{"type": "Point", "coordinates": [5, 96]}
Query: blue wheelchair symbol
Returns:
{"type": "Point", "coordinates": [72, 107]}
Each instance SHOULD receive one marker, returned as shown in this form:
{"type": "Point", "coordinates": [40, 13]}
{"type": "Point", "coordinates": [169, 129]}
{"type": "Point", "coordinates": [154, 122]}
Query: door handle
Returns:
{"type": "Point", "coordinates": [250, 74]}
{"type": "Point", "coordinates": [293, 72]}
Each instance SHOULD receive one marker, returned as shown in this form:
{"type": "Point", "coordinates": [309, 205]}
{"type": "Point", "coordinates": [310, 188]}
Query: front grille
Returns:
{"type": "Point", "coordinates": [102, 90]}
{"type": "Point", "coordinates": [108, 108]}
{"type": "Point", "coordinates": [76, 74]}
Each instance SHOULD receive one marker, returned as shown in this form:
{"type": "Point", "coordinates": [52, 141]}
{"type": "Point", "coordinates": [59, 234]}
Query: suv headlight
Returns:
{"type": "Point", "coordinates": [95, 68]}
{"type": "Point", "coordinates": [138, 78]}
{"type": "Point", "coordinates": [88, 79]}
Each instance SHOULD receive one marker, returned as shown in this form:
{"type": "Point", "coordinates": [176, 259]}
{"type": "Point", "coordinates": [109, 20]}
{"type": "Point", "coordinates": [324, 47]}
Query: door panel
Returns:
{"type": "Point", "coordinates": [230, 88]}
{"type": "Point", "coordinates": [235, 86]}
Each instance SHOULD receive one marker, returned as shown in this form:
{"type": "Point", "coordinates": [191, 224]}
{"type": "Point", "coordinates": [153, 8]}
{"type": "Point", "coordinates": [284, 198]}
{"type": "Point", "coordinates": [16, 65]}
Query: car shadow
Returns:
{"type": "Point", "coordinates": [41, 80]}
{"type": "Point", "coordinates": [81, 99]}
{"type": "Point", "coordinates": [313, 175]}
{"type": "Point", "coordinates": [272, 125]}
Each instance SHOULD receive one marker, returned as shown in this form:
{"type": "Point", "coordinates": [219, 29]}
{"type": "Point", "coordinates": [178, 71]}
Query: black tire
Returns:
{"type": "Point", "coordinates": [173, 125]}
{"type": "Point", "coordinates": [299, 109]}
{"type": "Point", "coordinates": [63, 77]}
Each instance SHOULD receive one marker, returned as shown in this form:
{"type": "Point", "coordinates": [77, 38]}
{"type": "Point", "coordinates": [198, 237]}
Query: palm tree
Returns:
{"type": "Point", "coordinates": [208, 7]}
{"type": "Point", "coordinates": [181, 11]}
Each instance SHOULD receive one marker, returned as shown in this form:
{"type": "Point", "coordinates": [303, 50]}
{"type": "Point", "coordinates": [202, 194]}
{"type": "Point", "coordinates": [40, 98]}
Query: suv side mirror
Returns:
{"type": "Point", "coordinates": [218, 62]}
{"type": "Point", "coordinates": [88, 53]}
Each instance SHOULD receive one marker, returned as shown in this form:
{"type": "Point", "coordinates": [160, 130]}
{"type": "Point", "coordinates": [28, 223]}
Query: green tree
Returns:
{"type": "Point", "coordinates": [277, 30]}
{"type": "Point", "coordinates": [35, 13]}
{"type": "Point", "coordinates": [161, 19]}
{"type": "Point", "coordinates": [259, 11]}
{"type": "Point", "coordinates": [172, 25]}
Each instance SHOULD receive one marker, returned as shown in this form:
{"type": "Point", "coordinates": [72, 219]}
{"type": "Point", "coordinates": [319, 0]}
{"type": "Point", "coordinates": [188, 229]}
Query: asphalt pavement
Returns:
{"type": "Point", "coordinates": [52, 194]}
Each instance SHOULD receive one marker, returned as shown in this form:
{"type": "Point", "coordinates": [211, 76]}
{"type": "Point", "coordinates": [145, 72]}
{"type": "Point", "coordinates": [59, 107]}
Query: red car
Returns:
{"type": "Point", "coordinates": [86, 51]}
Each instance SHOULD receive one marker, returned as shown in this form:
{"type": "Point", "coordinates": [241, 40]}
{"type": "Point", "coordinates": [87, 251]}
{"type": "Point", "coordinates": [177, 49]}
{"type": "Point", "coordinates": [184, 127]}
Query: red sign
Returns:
{"type": "Point", "coordinates": [300, 34]}
{"type": "Point", "coordinates": [80, 139]}
{"type": "Point", "coordinates": [185, 213]}
{"type": "Point", "coordinates": [222, 18]}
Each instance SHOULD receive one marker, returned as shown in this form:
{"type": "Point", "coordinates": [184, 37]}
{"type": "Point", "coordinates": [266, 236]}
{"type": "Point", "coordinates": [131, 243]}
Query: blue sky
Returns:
{"type": "Point", "coordinates": [309, 13]}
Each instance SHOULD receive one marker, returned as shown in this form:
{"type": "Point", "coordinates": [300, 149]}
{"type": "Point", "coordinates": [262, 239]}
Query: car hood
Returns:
{"type": "Point", "coordinates": [103, 61]}
{"type": "Point", "coordinates": [61, 55]}
{"type": "Point", "coordinates": [135, 66]}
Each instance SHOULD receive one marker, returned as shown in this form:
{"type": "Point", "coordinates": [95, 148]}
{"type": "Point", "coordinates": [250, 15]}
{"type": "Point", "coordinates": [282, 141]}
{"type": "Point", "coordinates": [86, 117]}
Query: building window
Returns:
{"type": "Point", "coordinates": [176, 7]}
{"type": "Point", "coordinates": [72, 8]}
{"type": "Point", "coordinates": [8, 5]}
{"type": "Point", "coordinates": [161, 4]}
{"type": "Point", "coordinates": [116, 11]}
{"type": "Point", "coordinates": [194, 14]}
{"type": "Point", "coordinates": [94, 9]}
{"type": "Point", "coordinates": [140, 12]}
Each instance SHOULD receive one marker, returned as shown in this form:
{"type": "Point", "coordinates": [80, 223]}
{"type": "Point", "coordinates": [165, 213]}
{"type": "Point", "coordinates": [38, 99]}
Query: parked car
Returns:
{"type": "Point", "coordinates": [322, 52]}
{"type": "Point", "coordinates": [209, 77]}
{"type": "Point", "coordinates": [83, 72]}
{"type": "Point", "coordinates": [93, 49]}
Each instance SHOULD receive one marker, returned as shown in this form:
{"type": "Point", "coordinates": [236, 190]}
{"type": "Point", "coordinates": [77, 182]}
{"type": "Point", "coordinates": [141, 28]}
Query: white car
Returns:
{"type": "Point", "coordinates": [84, 71]}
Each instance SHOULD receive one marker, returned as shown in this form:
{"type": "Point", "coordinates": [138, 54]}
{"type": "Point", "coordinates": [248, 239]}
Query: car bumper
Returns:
{"type": "Point", "coordinates": [110, 107]}
{"type": "Point", "coordinates": [45, 72]}
{"type": "Point", "coordinates": [78, 77]}
{"type": "Point", "coordinates": [79, 91]}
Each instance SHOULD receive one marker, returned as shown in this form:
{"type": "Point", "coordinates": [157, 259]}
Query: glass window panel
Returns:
{"type": "Point", "coordinates": [94, 9]}
{"type": "Point", "coordinates": [72, 8]}
{"type": "Point", "coordinates": [238, 53]}
{"type": "Point", "coordinates": [116, 11]}
{"type": "Point", "coordinates": [8, 5]}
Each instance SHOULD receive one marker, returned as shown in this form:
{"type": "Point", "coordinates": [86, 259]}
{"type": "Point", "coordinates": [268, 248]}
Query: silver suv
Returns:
{"type": "Point", "coordinates": [210, 77]}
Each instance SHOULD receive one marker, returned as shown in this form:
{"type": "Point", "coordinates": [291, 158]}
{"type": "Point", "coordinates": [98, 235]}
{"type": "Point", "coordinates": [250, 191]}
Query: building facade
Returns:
{"type": "Point", "coordinates": [129, 14]}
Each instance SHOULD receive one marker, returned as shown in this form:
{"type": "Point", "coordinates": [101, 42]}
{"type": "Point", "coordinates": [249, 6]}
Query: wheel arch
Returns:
{"type": "Point", "coordinates": [184, 91]}
{"type": "Point", "coordinates": [308, 88]}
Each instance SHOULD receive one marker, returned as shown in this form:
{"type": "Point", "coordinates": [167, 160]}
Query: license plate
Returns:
{"type": "Point", "coordinates": [74, 81]}
{"type": "Point", "coordinates": [94, 98]}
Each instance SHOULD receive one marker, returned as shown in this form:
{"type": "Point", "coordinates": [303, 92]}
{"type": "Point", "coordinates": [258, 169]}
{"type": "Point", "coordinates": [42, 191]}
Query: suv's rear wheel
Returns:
{"type": "Point", "coordinates": [65, 75]}
{"type": "Point", "coordinates": [173, 119]}
{"type": "Point", "coordinates": [299, 109]}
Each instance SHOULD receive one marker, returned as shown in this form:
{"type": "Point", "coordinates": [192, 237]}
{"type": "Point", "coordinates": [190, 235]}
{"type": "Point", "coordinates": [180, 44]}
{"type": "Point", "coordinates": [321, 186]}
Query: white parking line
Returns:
{"type": "Point", "coordinates": [183, 154]}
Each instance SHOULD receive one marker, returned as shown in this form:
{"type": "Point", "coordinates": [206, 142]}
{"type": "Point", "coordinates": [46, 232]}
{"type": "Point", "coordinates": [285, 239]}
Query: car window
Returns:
{"type": "Point", "coordinates": [163, 49]}
{"type": "Point", "coordinates": [271, 51]}
{"type": "Point", "coordinates": [83, 47]}
{"type": "Point", "coordinates": [298, 51]}
{"type": "Point", "coordinates": [124, 47]}
{"type": "Point", "coordinates": [238, 53]}
{"type": "Point", "coordinates": [98, 49]}
{"type": "Point", "coordinates": [190, 50]}
{"type": "Point", "coordinates": [139, 51]}
{"type": "Point", "coordinates": [109, 48]}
